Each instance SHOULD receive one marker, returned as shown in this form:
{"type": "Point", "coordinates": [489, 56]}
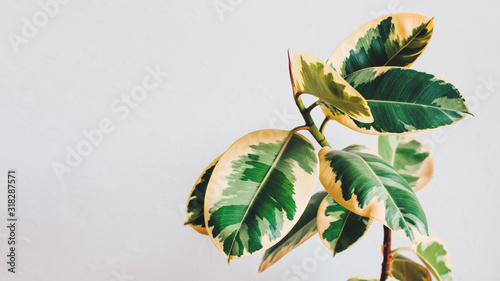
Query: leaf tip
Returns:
{"type": "Point", "coordinates": [261, 269]}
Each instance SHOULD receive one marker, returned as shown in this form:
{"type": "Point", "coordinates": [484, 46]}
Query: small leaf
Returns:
{"type": "Point", "coordinates": [196, 200]}
{"type": "Point", "coordinates": [304, 229]}
{"type": "Point", "coordinates": [405, 269]}
{"type": "Point", "coordinates": [258, 191]}
{"type": "Point", "coordinates": [312, 76]}
{"type": "Point", "coordinates": [367, 185]}
{"type": "Point", "coordinates": [436, 258]}
{"type": "Point", "coordinates": [402, 101]}
{"type": "Point", "coordinates": [338, 227]}
{"type": "Point", "coordinates": [409, 157]}
{"type": "Point", "coordinates": [391, 40]}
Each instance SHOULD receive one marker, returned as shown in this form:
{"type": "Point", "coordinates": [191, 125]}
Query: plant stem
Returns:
{"type": "Point", "coordinates": [306, 114]}
{"type": "Point", "coordinates": [387, 253]}
{"type": "Point", "coordinates": [311, 107]}
{"type": "Point", "coordinates": [323, 125]}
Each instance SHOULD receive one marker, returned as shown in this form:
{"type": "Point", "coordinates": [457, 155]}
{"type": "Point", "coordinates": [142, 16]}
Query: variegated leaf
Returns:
{"type": "Point", "coordinates": [258, 191]}
{"type": "Point", "coordinates": [196, 201]}
{"type": "Point", "coordinates": [436, 258]}
{"type": "Point", "coordinates": [304, 229]}
{"type": "Point", "coordinates": [338, 227]}
{"type": "Point", "coordinates": [405, 269]}
{"type": "Point", "coordinates": [402, 101]}
{"type": "Point", "coordinates": [312, 76]}
{"type": "Point", "coordinates": [362, 278]}
{"type": "Point", "coordinates": [391, 40]}
{"type": "Point", "coordinates": [367, 185]}
{"type": "Point", "coordinates": [409, 157]}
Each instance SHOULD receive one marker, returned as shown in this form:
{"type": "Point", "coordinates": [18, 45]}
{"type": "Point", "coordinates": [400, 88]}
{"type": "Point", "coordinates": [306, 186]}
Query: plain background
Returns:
{"type": "Point", "coordinates": [118, 215]}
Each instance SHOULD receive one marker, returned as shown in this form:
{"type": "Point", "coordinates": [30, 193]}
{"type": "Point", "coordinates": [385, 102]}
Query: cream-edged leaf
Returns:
{"type": "Point", "coordinates": [338, 227]}
{"type": "Point", "coordinates": [391, 40]}
{"type": "Point", "coordinates": [409, 157]}
{"type": "Point", "coordinates": [402, 101]}
{"type": "Point", "coordinates": [405, 269]}
{"type": "Point", "coordinates": [304, 229]}
{"type": "Point", "coordinates": [312, 76]}
{"type": "Point", "coordinates": [367, 185]}
{"type": "Point", "coordinates": [362, 278]}
{"type": "Point", "coordinates": [436, 258]}
{"type": "Point", "coordinates": [258, 191]}
{"type": "Point", "coordinates": [196, 201]}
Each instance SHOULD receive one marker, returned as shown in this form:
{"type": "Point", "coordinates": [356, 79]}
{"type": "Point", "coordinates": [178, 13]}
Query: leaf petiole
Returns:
{"type": "Point", "coordinates": [306, 114]}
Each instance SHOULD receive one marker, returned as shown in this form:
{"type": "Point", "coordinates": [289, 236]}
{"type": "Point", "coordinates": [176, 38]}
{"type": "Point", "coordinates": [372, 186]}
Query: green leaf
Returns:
{"type": "Point", "coordinates": [338, 227]}
{"type": "Point", "coordinates": [258, 191]}
{"type": "Point", "coordinates": [409, 157]}
{"type": "Point", "coordinates": [196, 200]}
{"type": "Point", "coordinates": [304, 229]}
{"type": "Point", "coordinates": [312, 76]}
{"type": "Point", "coordinates": [405, 269]}
{"type": "Point", "coordinates": [367, 185]}
{"type": "Point", "coordinates": [391, 40]}
{"type": "Point", "coordinates": [402, 100]}
{"type": "Point", "coordinates": [436, 258]}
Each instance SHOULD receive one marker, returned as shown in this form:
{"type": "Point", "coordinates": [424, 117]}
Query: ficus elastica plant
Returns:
{"type": "Point", "coordinates": [257, 196]}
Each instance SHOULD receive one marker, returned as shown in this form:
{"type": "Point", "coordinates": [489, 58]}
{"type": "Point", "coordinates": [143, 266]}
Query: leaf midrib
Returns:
{"type": "Point", "coordinates": [394, 153]}
{"type": "Point", "coordinates": [259, 189]}
{"type": "Point", "coordinates": [389, 195]}
{"type": "Point", "coordinates": [417, 104]}
{"type": "Point", "coordinates": [385, 64]}
{"type": "Point", "coordinates": [411, 40]}
{"type": "Point", "coordinates": [429, 266]}
{"type": "Point", "coordinates": [341, 231]}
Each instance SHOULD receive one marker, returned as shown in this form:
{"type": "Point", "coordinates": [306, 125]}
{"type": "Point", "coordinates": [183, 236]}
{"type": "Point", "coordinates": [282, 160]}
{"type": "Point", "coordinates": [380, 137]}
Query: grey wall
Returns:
{"type": "Point", "coordinates": [117, 213]}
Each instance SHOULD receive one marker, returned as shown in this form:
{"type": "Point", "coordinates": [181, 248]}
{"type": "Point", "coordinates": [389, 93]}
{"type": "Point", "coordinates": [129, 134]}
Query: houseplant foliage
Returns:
{"type": "Point", "coordinates": [258, 195]}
